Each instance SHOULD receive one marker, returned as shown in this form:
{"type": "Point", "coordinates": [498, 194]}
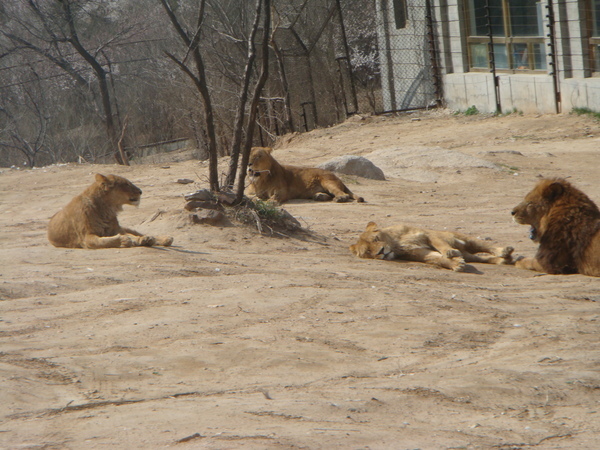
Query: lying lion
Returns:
{"type": "Point", "coordinates": [446, 249]}
{"type": "Point", "coordinates": [274, 181]}
{"type": "Point", "coordinates": [566, 224]}
{"type": "Point", "coordinates": [90, 219]}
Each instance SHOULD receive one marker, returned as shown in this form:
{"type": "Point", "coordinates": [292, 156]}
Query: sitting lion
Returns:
{"type": "Point", "coordinates": [90, 219]}
{"type": "Point", "coordinates": [274, 181]}
{"type": "Point", "coordinates": [446, 249]}
{"type": "Point", "coordinates": [566, 224]}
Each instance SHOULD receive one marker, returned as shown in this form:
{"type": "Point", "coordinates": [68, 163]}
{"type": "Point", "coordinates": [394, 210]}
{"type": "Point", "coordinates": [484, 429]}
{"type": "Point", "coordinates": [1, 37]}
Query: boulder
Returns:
{"type": "Point", "coordinates": [354, 165]}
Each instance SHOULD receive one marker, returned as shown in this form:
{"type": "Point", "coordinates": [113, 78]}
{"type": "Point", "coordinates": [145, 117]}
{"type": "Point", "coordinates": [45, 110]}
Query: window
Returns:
{"type": "Point", "coordinates": [400, 13]}
{"type": "Point", "coordinates": [517, 32]}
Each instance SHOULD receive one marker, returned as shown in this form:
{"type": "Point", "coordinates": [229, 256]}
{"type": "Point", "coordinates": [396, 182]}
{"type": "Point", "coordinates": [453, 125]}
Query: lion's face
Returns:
{"type": "Point", "coordinates": [372, 244]}
{"type": "Point", "coordinates": [536, 206]}
{"type": "Point", "coordinates": [119, 190]}
{"type": "Point", "coordinates": [260, 162]}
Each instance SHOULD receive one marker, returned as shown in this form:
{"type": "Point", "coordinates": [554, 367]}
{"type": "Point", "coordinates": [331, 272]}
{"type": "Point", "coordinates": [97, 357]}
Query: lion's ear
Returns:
{"type": "Point", "coordinates": [101, 178]}
{"type": "Point", "coordinates": [372, 226]}
{"type": "Point", "coordinates": [269, 150]}
{"type": "Point", "coordinates": [554, 190]}
{"type": "Point", "coordinates": [106, 182]}
{"type": "Point", "coordinates": [353, 248]}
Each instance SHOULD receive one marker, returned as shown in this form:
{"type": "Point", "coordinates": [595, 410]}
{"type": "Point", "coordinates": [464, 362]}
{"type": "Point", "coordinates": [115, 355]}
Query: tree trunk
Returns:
{"type": "Point", "coordinates": [238, 126]}
{"type": "Point", "coordinates": [200, 83]}
{"type": "Point", "coordinates": [100, 76]}
{"type": "Point", "coordinates": [255, 100]}
{"type": "Point", "coordinates": [289, 124]}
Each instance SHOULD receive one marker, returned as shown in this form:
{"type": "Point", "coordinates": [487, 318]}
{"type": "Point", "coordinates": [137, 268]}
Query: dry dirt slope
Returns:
{"type": "Point", "coordinates": [234, 340]}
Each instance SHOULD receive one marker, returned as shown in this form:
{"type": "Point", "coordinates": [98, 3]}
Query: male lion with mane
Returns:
{"type": "Point", "coordinates": [274, 181]}
{"type": "Point", "coordinates": [566, 224]}
{"type": "Point", "coordinates": [446, 249]}
{"type": "Point", "coordinates": [90, 219]}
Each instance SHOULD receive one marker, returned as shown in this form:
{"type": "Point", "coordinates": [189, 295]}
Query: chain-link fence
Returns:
{"type": "Point", "coordinates": [310, 83]}
{"type": "Point", "coordinates": [408, 57]}
{"type": "Point", "coordinates": [339, 57]}
{"type": "Point", "coordinates": [335, 59]}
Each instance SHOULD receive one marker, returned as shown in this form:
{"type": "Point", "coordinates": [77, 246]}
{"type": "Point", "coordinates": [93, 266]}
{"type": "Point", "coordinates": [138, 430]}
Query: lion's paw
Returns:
{"type": "Point", "coordinates": [342, 198]}
{"type": "Point", "coordinates": [125, 241]}
{"type": "Point", "coordinates": [322, 197]}
{"type": "Point", "coordinates": [460, 265]}
{"type": "Point", "coordinates": [453, 253]}
{"type": "Point", "coordinates": [146, 241]}
{"type": "Point", "coordinates": [165, 241]}
{"type": "Point", "coordinates": [506, 255]}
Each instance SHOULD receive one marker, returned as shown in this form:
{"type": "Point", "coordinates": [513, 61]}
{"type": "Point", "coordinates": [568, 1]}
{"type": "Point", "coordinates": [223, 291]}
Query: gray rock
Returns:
{"type": "Point", "coordinates": [209, 217]}
{"type": "Point", "coordinates": [194, 205]}
{"type": "Point", "coordinates": [354, 165]}
{"type": "Point", "coordinates": [202, 194]}
{"type": "Point", "coordinates": [227, 198]}
{"type": "Point", "coordinates": [290, 222]}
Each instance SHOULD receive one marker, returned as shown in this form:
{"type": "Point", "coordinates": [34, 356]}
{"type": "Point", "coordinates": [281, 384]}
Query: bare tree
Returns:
{"type": "Point", "coordinates": [72, 38]}
{"type": "Point", "coordinates": [191, 41]}
{"type": "Point", "coordinates": [48, 30]}
{"type": "Point", "coordinates": [260, 84]}
{"type": "Point", "coordinates": [238, 126]}
{"type": "Point", "coordinates": [97, 58]}
{"type": "Point", "coordinates": [25, 124]}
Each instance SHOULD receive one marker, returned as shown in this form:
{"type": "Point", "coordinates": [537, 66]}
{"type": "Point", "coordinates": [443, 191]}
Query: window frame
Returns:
{"type": "Point", "coordinates": [507, 41]}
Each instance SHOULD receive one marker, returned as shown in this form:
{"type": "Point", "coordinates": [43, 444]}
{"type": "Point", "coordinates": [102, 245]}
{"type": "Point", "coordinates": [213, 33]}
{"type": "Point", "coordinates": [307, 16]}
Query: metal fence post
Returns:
{"type": "Point", "coordinates": [433, 54]}
{"type": "Point", "coordinates": [492, 57]}
{"type": "Point", "coordinates": [553, 58]}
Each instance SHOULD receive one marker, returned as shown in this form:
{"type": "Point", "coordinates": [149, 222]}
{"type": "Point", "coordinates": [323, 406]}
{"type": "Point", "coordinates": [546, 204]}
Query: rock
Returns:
{"type": "Point", "coordinates": [185, 181]}
{"type": "Point", "coordinates": [354, 165]}
{"type": "Point", "coordinates": [202, 204]}
{"type": "Point", "coordinates": [227, 198]}
{"type": "Point", "coordinates": [209, 217]}
{"type": "Point", "coordinates": [202, 195]}
{"type": "Point", "coordinates": [290, 222]}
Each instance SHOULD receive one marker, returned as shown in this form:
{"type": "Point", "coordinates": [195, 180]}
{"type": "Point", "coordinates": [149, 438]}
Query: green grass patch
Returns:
{"type": "Point", "coordinates": [267, 210]}
{"type": "Point", "coordinates": [586, 112]}
{"type": "Point", "coordinates": [512, 111]}
{"type": "Point", "coordinates": [471, 111]}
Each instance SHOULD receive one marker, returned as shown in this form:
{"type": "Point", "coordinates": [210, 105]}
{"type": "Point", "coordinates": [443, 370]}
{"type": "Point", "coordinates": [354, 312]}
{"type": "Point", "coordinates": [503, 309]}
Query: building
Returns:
{"type": "Point", "coordinates": [496, 55]}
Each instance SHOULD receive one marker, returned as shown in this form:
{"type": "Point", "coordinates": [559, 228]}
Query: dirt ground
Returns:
{"type": "Point", "coordinates": [230, 339]}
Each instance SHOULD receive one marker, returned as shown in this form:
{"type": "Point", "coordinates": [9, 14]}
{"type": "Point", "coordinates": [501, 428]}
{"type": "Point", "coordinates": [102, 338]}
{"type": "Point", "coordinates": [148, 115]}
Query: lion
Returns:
{"type": "Point", "coordinates": [566, 224]}
{"type": "Point", "coordinates": [446, 249]}
{"type": "Point", "coordinates": [279, 183]}
{"type": "Point", "coordinates": [90, 218]}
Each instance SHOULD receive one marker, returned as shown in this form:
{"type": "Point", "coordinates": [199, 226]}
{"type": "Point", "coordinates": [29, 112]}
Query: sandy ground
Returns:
{"type": "Point", "coordinates": [230, 339]}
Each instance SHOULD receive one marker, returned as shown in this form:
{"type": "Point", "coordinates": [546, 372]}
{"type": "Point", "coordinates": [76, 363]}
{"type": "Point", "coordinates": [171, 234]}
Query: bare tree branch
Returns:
{"type": "Point", "coordinates": [120, 142]}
